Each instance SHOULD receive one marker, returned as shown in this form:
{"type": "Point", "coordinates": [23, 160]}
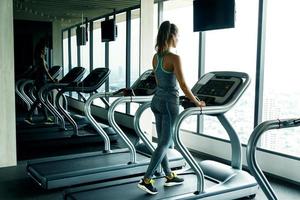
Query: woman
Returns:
{"type": "Point", "coordinates": [165, 103]}
{"type": "Point", "coordinates": [42, 77]}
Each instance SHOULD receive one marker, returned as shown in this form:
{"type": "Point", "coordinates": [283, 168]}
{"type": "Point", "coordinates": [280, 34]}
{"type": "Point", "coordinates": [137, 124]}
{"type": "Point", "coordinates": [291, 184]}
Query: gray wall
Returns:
{"type": "Point", "coordinates": [7, 83]}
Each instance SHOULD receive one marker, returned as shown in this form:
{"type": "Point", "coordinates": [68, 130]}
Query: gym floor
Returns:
{"type": "Point", "coordinates": [15, 184]}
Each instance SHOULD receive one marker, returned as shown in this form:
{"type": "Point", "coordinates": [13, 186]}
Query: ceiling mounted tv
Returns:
{"type": "Point", "coordinates": [81, 36]}
{"type": "Point", "coordinates": [213, 14]}
{"type": "Point", "coordinates": [108, 30]}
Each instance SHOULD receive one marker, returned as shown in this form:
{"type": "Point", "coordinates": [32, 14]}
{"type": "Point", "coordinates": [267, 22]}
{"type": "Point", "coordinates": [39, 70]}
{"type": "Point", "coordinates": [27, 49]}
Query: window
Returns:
{"type": "Point", "coordinates": [74, 58]}
{"type": "Point", "coordinates": [117, 59]}
{"type": "Point", "coordinates": [98, 54]}
{"type": "Point", "coordinates": [65, 53]}
{"type": "Point", "coordinates": [135, 52]}
{"type": "Point", "coordinates": [135, 45]}
{"type": "Point", "coordinates": [180, 12]}
{"type": "Point", "coordinates": [281, 93]}
{"type": "Point", "coordinates": [235, 50]}
{"type": "Point", "coordinates": [98, 46]}
{"type": "Point", "coordinates": [85, 54]}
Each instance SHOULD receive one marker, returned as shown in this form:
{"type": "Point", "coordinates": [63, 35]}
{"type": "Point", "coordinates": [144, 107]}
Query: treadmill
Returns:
{"type": "Point", "coordinates": [106, 165]}
{"type": "Point", "coordinates": [74, 75]}
{"type": "Point", "coordinates": [39, 130]}
{"type": "Point", "coordinates": [90, 84]}
{"type": "Point", "coordinates": [29, 99]}
{"type": "Point", "coordinates": [207, 179]}
{"type": "Point", "coordinates": [252, 146]}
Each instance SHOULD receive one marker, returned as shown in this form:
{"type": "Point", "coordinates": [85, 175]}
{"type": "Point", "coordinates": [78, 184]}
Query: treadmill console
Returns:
{"type": "Point", "coordinates": [145, 85]}
{"type": "Point", "coordinates": [215, 90]}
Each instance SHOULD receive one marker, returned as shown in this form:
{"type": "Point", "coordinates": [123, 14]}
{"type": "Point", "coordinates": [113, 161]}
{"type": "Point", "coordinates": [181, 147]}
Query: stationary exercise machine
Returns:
{"type": "Point", "coordinates": [82, 168]}
{"type": "Point", "coordinates": [29, 98]}
{"type": "Point", "coordinates": [90, 84]}
{"type": "Point", "coordinates": [251, 149]}
{"type": "Point", "coordinates": [207, 179]}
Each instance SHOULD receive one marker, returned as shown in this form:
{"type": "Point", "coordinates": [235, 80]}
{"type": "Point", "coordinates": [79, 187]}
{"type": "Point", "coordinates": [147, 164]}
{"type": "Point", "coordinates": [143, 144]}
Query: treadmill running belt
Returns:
{"type": "Point", "coordinates": [129, 190]}
{"type": "Point", "coordinates": [77, 165]}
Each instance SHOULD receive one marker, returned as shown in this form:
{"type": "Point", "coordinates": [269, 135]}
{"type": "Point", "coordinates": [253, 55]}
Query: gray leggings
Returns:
{"type": "Point", "coordinates": [165, 113]}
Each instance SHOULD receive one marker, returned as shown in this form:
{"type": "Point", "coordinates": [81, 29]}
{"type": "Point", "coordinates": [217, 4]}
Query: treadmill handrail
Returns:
{"type": "Point", "coordinates": [116, 127]}
{"type": "Point", "coordinates": [22, 90]}
{"type": "Point", "coordinates": [18, 83]}
{"type": "Point", "coordinates": [251, 149]}
{"type": "Point", "coordinates": [93, 122]}
{"type": "Point", "coordinates": [137, 127]}
{"type": "Point", "coordinates": [210, 110]}
{"type": "Point", "coordinates": [43, 92]}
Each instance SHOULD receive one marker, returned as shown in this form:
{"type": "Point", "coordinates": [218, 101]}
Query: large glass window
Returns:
{"type": "Point", "coordinates": [117, 58]}
{"type": "Point", "coordinates": [180, 12]}
{"type": "Point", "coordinates": [74, 53]}
{"type": "Point", "coordinates": [65, 53]}
{"type": "Point", "coordinates": [235, 50]}
{"type": "Point", "coordinates": [85, 54]}
{"type": "Point", "coordinates": [98, 54]}
{"type": "Point", "coordinates": [281, 77]}
{"type": "Point", "coordinates": [98, 46]}
{"type": "Point", "coordinates": [74, 58]}
{"type": "Point", "coordinates": [135, 46]}
{"type": "Point", "coordinates": [135, 52]}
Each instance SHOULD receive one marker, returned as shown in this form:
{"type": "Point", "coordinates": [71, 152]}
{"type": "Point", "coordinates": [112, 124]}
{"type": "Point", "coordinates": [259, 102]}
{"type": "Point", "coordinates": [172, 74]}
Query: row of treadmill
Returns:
{"type": "Point", "coordinates": [115, 173]}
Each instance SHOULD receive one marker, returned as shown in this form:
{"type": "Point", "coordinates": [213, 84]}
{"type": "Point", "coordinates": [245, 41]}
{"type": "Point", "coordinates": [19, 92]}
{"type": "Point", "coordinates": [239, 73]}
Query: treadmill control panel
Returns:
{"type": "Point", "coordinates": [214, 90]}
{"type": "Point", "coordinates": [145, 85]}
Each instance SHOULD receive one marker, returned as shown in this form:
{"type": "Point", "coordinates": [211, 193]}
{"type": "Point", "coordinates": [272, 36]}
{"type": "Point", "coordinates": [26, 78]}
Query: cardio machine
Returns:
{"type": "Point", "coordinates": [251, 149]}
{"type": "Point", "coordinates": [207, 179]}
{"type": "Point", "coordinates": [106, 165]}
{"type": "Point", "coordinates": [69, 130]}
{"type": "Point", "coordinates": [28, 97]}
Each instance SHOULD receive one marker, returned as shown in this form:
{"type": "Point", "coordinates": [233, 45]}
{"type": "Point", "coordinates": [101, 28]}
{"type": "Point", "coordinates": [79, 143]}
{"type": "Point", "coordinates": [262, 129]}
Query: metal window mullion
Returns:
{"type": "Point", "coordinates": [70, 53]}
{"type": "Point", "coordinates": [91, 41]}
{"type": "Point", "coordinates": [62, 51]}
{"type": "Point", "coordinates": [78, 64]}
{"type": "Point", "coordinates": [107, 63]}
{"type": "Point", "coordinates": [201, 71]}
{"type": "Point", "coordinates": [260, 58]}
{"type": "Point", "coordinates": [128, 54]}
{"type": "Point", "coordinates": [69, 49]}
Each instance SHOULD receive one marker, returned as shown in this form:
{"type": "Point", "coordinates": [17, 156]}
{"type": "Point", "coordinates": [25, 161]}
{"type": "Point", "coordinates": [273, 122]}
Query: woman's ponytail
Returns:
{"type": "Point", "coordinates": [165, 32]}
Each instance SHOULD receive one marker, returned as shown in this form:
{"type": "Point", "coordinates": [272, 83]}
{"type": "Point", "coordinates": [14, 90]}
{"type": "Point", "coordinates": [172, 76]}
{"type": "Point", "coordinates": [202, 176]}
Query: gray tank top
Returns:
{"type": "Point", "coordinates": [167, 83]}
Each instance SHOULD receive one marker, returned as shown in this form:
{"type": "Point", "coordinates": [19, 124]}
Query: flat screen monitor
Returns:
{"type": "Point", "coordinates": [108, 30]}
{"type": "Point", "coordinates": [213, 14]}
{"type": "Point", "coordinates": [81, 36]}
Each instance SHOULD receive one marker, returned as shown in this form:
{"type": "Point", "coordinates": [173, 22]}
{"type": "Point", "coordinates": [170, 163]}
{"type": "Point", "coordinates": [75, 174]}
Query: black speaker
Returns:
{"type": "Point", "coordinates": [81, 36]}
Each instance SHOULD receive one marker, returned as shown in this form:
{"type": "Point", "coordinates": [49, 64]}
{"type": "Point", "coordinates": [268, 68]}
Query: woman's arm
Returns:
{"type": "Point", "coordinates": [47, 71]}
{"type": "Point", "coordinates": [179, 75]}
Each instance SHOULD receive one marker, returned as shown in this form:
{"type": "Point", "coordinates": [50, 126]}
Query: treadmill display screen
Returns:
{"type": "Point", "coordinates": [217, 88]}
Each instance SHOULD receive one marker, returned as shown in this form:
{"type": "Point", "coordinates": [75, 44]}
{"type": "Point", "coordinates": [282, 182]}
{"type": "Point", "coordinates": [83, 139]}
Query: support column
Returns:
{"type": "Point", "coordinates": [147, 43]}
{"type": "Point", "coordinates": [146, 53]}
{"type": "Point", "coordinates": [8, 155]}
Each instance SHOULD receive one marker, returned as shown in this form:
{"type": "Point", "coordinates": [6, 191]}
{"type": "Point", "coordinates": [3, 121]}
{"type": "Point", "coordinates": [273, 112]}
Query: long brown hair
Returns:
{"type": "Point", "coordinates": [164, 35]}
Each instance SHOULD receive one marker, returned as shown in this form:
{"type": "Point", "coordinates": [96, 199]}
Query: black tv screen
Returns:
{"type": "Point", "coordinates": [108, 30]}
{"type": "Point", "coordinates": [213, 14]}
{"type": "Point", "coordinates": [81, 36]}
